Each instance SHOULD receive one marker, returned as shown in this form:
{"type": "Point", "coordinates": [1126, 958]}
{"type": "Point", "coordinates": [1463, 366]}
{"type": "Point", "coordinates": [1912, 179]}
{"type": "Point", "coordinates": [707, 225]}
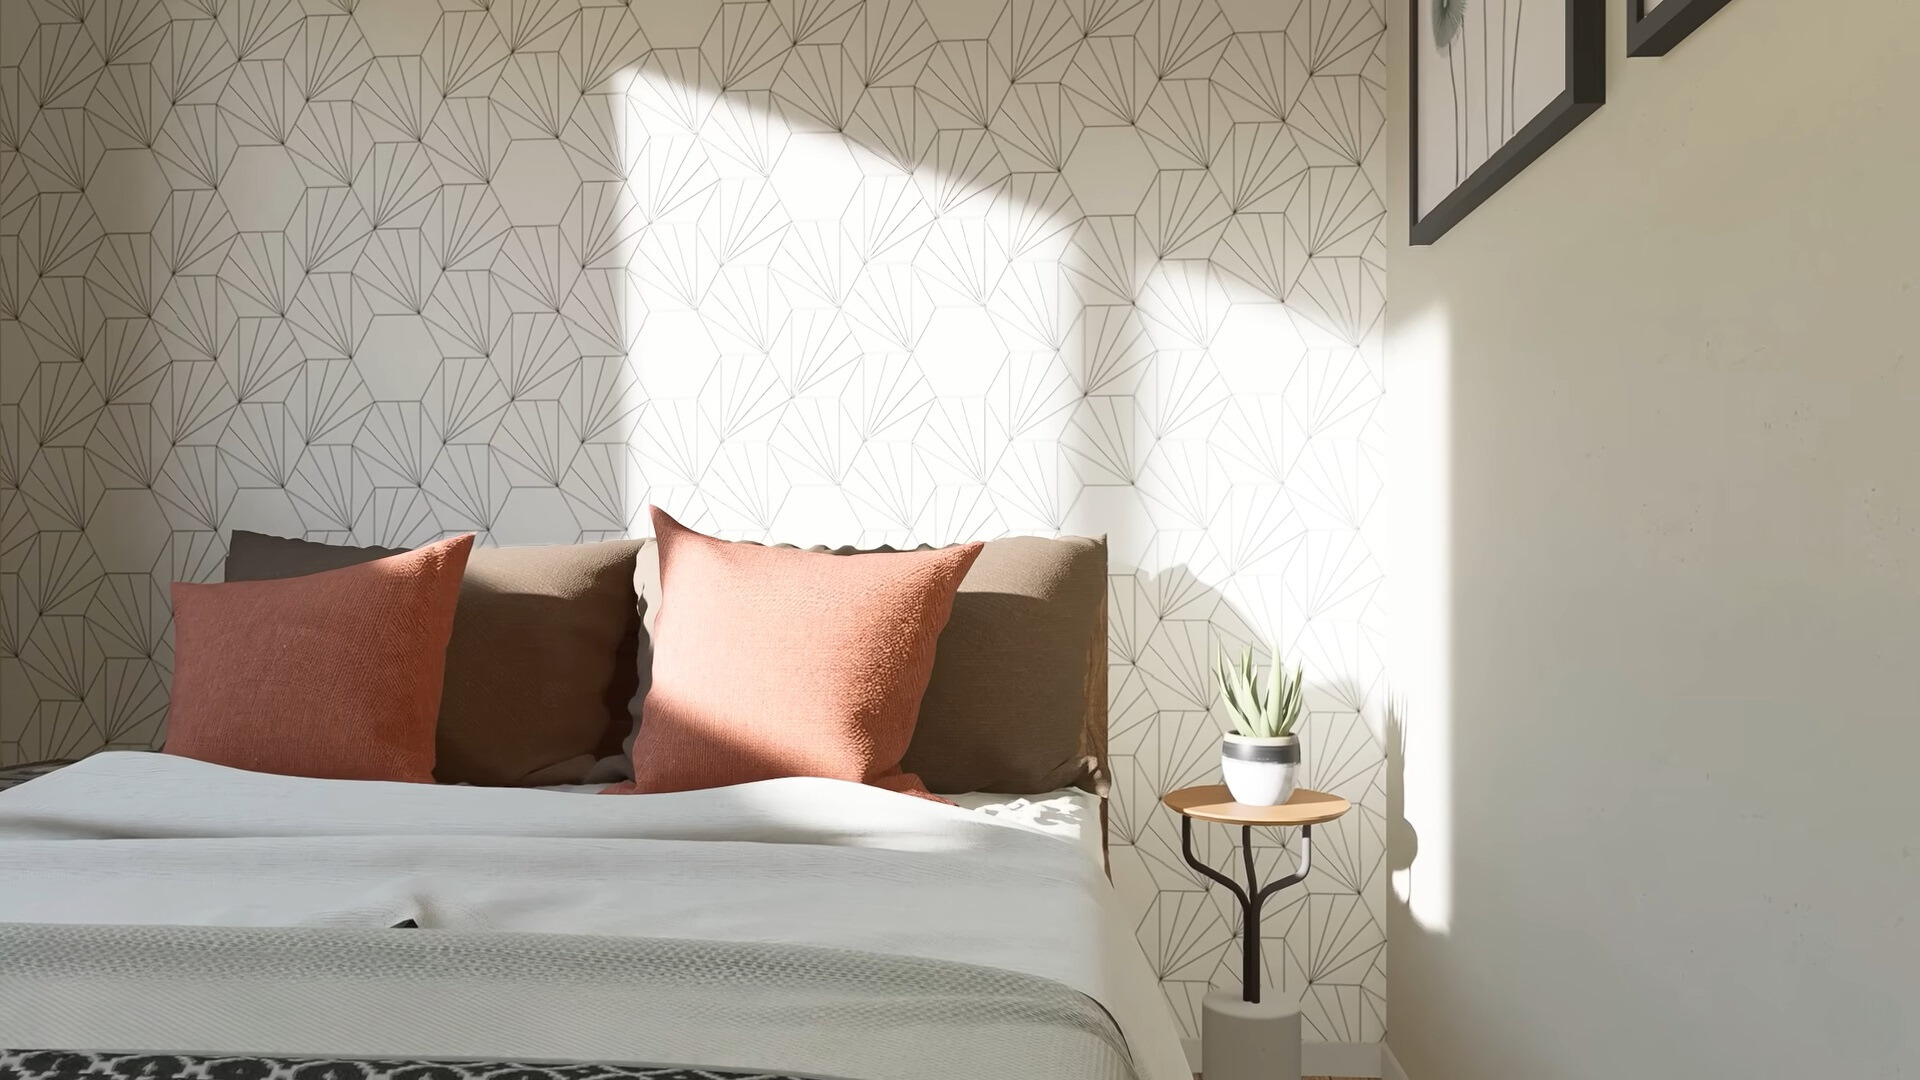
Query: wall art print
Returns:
{"type": "Point", "coordinates": [1654, 27]}
{"type": "Point", "coordinates": [835, 271]}
{"type": "Point", "coordinates": [1494, 83]}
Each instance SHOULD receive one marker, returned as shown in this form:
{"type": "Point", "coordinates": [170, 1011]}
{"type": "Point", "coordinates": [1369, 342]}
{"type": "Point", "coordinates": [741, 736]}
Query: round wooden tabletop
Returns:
{"type": "Point", "coordinates": [1212, 803]}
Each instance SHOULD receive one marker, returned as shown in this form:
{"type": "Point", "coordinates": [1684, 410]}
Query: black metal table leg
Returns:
{"type": "Point", "coordinates": [1251, 898]}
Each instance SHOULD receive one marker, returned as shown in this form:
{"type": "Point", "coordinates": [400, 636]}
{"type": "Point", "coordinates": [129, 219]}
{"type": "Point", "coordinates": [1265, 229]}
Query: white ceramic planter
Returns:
{"type": "Point", "coordinates": [1260, 772]}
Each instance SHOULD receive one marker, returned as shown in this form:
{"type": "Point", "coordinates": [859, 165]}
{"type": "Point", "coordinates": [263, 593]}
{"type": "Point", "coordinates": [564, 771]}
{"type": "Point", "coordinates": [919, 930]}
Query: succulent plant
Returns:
{"type": "Point", "coordinates": [1261, 713]}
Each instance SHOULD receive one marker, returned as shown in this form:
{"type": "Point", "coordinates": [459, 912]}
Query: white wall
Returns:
{"type": "Point", "coordinates": [1657, 598]}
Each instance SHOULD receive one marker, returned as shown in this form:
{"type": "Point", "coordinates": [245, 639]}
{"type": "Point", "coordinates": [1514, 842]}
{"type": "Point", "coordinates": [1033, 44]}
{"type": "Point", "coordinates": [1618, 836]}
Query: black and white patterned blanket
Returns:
{"type": "Point", "coordinates": [95, 1065]}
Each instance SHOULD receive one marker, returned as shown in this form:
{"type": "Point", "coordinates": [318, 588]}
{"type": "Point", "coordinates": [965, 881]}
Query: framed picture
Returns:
{"type": "Point", "coordinates": [1655, 26]}
{"type": "Point", "coordinates": [1494, 84]}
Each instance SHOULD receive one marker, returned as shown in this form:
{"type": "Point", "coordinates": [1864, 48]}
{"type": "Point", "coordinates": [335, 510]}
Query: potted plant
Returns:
{"type": "Point", "coordinates": [1261, 755]}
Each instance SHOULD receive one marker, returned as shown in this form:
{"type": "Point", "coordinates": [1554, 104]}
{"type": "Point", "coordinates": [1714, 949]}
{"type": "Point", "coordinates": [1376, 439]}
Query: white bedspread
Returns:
{"type": "Point", "coordinates": [1069, 813]}
{"type": "Point", "coordinates": [152, 839]}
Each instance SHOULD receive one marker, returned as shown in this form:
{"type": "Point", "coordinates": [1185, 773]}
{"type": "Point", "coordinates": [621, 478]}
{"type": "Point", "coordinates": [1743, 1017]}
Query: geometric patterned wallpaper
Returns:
{"type": "Point", "coordinates": [813, 270]}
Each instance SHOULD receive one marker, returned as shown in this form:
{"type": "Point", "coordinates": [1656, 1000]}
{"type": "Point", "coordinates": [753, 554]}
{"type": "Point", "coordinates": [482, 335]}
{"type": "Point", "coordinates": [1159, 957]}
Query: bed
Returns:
{"type": "Point", "coordinates": [166, 917]}
{"type": "Point", "coordinates": [350, 866]}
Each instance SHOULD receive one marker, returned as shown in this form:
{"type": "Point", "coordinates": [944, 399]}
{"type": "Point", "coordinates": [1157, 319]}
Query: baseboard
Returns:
{"type": "Point", "coordinates": [1320, 1059]}
{"type": "Point", "coordinates": [1389, 1065]}
{"type": "Point", "coordinates": [1340, 1059]}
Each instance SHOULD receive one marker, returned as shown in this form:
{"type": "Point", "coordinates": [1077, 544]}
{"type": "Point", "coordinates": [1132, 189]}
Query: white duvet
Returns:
{"type": "Point", "coordinates": [150, 839]}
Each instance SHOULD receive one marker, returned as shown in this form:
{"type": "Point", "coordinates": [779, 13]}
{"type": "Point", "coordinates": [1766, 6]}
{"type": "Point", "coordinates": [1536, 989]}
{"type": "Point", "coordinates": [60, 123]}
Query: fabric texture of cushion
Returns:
{"type": "Point", "coordinates": [771, 662]}
{"type": "Point", "coordinates": [1018, 698]}
{"type": "Point", "coordinates": [1017, 701]}
{"type": "Point", "coordinates": [334, 675]}
{"type": "Point", "coordinates": [541, 664]}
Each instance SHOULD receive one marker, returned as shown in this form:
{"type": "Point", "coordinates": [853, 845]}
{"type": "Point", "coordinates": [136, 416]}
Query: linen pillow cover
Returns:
{"type": "Point", "coordinates": [772, 662]}
{"type": "Point", "coordinates": [540, 666]}
{"type": "Point", "coordinates": [1017, 702]}
{"type": "Point", "coordinates": [334, 675]}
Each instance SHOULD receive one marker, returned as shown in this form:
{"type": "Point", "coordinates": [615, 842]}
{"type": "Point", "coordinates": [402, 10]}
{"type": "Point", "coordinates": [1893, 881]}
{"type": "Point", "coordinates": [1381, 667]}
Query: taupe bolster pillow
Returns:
{"type": "Point", "coordinates": [541, 664]}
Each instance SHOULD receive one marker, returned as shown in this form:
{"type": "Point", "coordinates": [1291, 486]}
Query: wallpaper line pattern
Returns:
{"type": "Point", "coordinates": [830, 271]}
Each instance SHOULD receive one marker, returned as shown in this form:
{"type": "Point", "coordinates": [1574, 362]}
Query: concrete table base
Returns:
{"type": "Point", "coordinates": [1244, 1040]}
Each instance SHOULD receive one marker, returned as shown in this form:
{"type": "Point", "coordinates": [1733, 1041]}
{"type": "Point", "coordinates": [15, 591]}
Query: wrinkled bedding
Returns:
{"type": "Point", "coordinates": [792, 927]}
{"type": "Point", "coordinates": [319, 997]}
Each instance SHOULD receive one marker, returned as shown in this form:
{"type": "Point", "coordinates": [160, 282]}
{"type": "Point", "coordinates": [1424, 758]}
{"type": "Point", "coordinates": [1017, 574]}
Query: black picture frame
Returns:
{"type": "Point", "coordinates": [1671, 20]}
{"type": "Point", "coordinates": [1586, 91]}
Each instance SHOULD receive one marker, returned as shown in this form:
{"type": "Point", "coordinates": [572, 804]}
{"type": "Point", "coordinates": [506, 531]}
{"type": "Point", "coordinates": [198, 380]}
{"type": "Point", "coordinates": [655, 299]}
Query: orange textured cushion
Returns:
{"type": "Point", "coordinates": [771, 662]}
{"type": "Point", "coordinates": [334, 675]}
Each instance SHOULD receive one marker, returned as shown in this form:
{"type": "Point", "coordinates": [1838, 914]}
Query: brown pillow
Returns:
{"type": "Point", "coordinates": [1018, 698]}
{"type": "Point", "coordinates": [1017, 702]}
{"type": "Point", "coordinates": [335, 675]}
{"type": "Point", "coordinates": [772, 662]}
{"type": "Point", "coordinates": [541, 662]}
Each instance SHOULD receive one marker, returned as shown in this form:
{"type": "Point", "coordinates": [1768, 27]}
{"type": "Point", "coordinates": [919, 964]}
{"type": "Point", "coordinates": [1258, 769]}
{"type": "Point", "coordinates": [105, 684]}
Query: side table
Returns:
{"type": "Point", "coordinates": [1243, 1038]}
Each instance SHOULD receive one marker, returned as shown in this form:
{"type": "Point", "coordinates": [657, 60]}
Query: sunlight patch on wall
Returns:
{"type": "Point", "coordinates": [1420, 733]}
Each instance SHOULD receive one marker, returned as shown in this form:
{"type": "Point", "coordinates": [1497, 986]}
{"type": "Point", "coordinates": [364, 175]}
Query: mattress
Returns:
{"type": "Point", "coordinates": [790, 928]}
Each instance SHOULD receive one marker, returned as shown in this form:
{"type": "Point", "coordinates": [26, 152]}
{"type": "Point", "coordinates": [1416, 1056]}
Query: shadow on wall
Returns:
{"type": "Point", "coordinates": [878, 277]}
{"type": "Point", "coordinates": [1658, 545]}
{"type": "Point", "coordinates": [1402, 839]}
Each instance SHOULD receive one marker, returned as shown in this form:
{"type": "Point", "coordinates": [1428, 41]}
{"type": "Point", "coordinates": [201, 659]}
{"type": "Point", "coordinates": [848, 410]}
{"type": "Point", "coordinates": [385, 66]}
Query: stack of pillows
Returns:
{"type": "Point", "coordinates": [668, 665]}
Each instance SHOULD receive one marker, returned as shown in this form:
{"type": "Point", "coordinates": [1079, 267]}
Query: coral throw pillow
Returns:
{"type": "Point", "coordinates": [334, 675]}
{"type": "Point", "coordinates": [771, 662]}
